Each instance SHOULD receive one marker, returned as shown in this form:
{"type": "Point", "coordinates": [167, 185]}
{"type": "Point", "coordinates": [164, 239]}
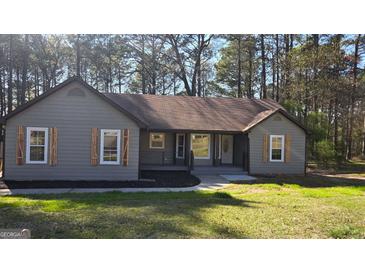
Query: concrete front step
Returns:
{"type": "Point", "coordinates": [218, 171]}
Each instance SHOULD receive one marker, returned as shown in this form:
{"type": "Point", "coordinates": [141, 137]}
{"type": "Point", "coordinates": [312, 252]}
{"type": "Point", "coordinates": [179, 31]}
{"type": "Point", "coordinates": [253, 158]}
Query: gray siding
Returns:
{"type": "Point", "coordinates": [277, 127]}
{"type": "Point", "coordinates": [74, 111]}
{"type": "Point", "coordinates": [154, 156]}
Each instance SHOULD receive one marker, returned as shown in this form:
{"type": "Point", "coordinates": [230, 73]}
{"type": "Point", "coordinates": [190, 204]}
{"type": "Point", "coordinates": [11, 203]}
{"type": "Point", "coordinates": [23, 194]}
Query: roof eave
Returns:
{"type": "Point", "coordinates": [194, 130]}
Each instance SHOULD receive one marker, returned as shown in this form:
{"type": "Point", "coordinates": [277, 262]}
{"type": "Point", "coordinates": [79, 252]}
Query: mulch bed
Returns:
{"type": "Point", "coordinates": [149, 179]}
{"type": "Point", "coordinates": [171, 178]}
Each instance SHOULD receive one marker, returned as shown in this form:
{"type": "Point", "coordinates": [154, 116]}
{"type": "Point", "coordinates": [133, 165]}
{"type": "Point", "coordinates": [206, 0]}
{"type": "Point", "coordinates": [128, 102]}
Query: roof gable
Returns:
{"type": "Point", "coordinates": [62, 85]}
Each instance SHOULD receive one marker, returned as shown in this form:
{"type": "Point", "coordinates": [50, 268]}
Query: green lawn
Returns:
{"type": "Point", "coordinates": [287, 207]}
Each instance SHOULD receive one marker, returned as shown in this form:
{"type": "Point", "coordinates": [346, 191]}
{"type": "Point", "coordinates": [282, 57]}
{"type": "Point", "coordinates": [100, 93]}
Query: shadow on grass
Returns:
{"type": "Point", "coordinates": [121, 215]}
{"type": "Point", "coordinates": [311, 181]}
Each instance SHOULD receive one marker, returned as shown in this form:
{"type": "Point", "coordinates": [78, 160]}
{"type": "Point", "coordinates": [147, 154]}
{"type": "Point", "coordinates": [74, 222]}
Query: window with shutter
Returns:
{"type": "Point", "coordinates": [110, 147]}
{"type": "Point", "coordinates": [37, 145]}
{"type": "Point", "coordinates": [277, 148]}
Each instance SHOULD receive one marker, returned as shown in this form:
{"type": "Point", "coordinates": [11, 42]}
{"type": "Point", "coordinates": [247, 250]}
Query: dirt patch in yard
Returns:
{"type": "Point", "coordinates": [149, 179]}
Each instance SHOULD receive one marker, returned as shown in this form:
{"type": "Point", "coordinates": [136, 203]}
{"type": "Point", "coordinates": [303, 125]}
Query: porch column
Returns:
{"type": "Point", "coordinates": [214, 149]}
{"type": "Point", "coordinates": [174, 150]}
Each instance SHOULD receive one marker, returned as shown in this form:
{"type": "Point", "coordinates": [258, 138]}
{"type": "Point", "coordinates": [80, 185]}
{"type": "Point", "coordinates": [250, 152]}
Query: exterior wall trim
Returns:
{"type": "Point", "coordinates": [102, 162]}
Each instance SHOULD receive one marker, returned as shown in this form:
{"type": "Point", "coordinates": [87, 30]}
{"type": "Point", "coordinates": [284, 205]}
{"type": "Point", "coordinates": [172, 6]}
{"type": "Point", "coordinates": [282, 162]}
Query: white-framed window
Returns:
{"type": "Point", "coordinates": [110, 147]}
{"type": "Point", "coordinates": [180, 146]}
{"type": "Point", "coordinates": [157, 140]}
{"type": "Point", "coordinates": [200, 145]}
{"type": "Point", "coordinates": [37, 145]}
{"type": "Point", "coordinates": [277, 148]}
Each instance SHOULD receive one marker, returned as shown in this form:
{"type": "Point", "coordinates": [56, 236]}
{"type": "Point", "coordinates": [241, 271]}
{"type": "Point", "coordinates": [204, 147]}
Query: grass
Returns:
{"type": "Point", "coordinates": [283, 207]}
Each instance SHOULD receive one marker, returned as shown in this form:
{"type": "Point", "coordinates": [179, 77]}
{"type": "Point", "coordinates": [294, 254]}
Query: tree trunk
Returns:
{"type": "Point", "coordinates": [2, 90]}
{"type": "Point", "coordinates": [10, 76]}
{"type": "Point", "coordinates": [352, 98]}
{"type": "Point", "coordinates": [200, 48]}
{"type": "Point", "coordinates": [337, 89]}
{"type": "Point", "coordinates": [263, 71]}
{"type": "Point", "coordinates": [36, 83]}
{"type": "Point", "coordinates": [78, 57]}
{"type": "Point", "coordinates": [239, 87]}
{"type": "Point", "coordinates": [181, 65]}
{"type": "Point", "coordinates": [335, 114]}
{"type": "Point", "coordinates": [277, 68]}
{"type": "Point", "coordinates": [329, 123]}
{"type": "Point", "coordinates": [154, 67]}
{"type": "Point", "coordinates": [25, 69]}
{"type": "Point", "coordinates": [203, 42]}
{"type": "Point", "coordinates": [143, 64]}
{"type": "Point", "coordinates": [199, 77]}
{"type": "Point", "coordinates": [18, 86]}
{"type": "Point", "coordinates": [315, 72]}
{"type": "Point", "coordinates": [273, 67]}
{"type": "Point", "coordinates": [306, 97]}
{"type": "Point", "coordinates": [286, 65]}
{"type": "Point", "coordinates": [250, 73]}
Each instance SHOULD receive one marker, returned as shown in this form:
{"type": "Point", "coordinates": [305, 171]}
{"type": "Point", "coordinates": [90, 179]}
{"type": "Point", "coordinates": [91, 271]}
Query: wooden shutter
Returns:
{"type": "Point", "coordinates": [94, 146]}
{"type": "Point", "coordinates": [265, 148]}
{"type": "Point", "coordinates": [287, 148]}
{"type": "Point", "coordinates": [125, 146]}
{"type": "Point", "coordinates": [53, 146]}
{"type": "Point", "coordinates": [20, 146]}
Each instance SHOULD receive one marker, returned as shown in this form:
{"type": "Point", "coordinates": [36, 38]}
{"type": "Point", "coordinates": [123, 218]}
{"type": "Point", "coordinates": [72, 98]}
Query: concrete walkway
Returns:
{"type": "Point", "coordinates": [207, 182]}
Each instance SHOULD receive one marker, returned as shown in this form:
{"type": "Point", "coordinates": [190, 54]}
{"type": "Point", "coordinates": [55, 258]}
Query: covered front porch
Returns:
{"type": "Point", "coordinates": [212, 152]}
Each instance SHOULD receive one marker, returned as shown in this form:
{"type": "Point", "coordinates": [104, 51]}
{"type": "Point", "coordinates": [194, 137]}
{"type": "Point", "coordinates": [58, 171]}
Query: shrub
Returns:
{"type": "Point", "coordinates": [317, 125]}
{"type": "Point", "coordinates": [325, 152]}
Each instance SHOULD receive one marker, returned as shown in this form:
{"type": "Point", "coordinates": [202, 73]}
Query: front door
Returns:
{"type": "Point", "coordinates": [227, 149]}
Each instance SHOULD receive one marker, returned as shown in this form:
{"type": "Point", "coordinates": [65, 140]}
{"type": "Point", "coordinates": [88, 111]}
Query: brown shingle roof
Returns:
{"type": "Point", "coordinates": [181, 112]}
{"type": "Point", "coordinates": [195, 113]}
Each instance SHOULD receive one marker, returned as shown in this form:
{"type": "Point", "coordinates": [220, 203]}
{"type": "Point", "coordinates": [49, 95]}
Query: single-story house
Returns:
{"type": "Point", "coordinates": [75, 132]}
